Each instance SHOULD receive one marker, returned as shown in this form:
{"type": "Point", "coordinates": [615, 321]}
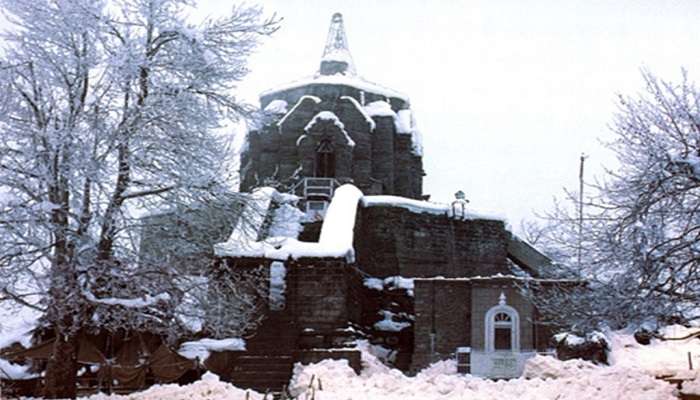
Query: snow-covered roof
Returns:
{"type": "Point", "coordinates": [338, 79]}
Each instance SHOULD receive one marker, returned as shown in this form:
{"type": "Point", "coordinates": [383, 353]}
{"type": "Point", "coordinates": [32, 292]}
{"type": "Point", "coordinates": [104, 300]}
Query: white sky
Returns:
{"type": "Point", "coordinates": [507, 94]}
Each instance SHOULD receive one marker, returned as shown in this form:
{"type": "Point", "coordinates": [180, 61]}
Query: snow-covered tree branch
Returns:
{"type": "Point", "coordinates": [641, 225]}
{"type": "Point", "coordinates": [111, 110]}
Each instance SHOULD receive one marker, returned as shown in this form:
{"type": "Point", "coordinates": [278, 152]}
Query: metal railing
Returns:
{"type": "Point", "coordinates": [315, 188]}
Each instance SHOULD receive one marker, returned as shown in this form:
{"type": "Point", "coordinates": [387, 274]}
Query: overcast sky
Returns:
{"type": "Point", "coordinates": [507, 94]}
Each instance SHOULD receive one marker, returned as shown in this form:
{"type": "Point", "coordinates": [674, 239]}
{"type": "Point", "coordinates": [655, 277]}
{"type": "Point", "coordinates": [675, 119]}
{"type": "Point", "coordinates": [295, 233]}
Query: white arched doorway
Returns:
{"type": "Point", "coordinates": [502, 327]}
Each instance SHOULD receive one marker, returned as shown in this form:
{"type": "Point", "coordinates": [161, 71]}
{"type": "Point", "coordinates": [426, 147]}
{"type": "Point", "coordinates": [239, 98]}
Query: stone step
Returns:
{"type": "Point", "coordinates": [261, 377]}
{"type": "Point", "coordinates": [262, 368]}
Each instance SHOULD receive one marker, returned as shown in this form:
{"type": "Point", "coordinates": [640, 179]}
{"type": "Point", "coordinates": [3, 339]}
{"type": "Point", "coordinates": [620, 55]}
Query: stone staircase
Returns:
{"type": "Point", "coordinates": [267, 364]}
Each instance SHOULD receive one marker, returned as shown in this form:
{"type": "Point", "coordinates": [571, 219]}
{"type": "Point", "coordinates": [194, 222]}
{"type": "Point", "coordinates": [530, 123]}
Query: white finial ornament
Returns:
{"type": "Point", "coordinates": [502, 299]}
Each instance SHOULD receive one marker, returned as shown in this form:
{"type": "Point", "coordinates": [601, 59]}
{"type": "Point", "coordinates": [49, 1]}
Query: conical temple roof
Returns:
{"type": "Point", "coordinates": [336, 55]}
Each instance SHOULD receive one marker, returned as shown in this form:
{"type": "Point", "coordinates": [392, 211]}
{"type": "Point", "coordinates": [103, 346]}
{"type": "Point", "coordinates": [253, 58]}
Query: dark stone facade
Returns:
{"type": "Point", "coordinates": [394, 241]}
{"type": "Point", "coordinates": [381, 161]}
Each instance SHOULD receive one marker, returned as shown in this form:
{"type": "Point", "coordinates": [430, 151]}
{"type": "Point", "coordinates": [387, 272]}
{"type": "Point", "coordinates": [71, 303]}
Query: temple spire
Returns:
{"type": "Point", "coordinates": [336, 55]}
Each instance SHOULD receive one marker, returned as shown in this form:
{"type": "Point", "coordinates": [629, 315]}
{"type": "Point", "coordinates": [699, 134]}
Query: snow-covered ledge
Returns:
{"type": "Point", "coordinates": [335, 241]}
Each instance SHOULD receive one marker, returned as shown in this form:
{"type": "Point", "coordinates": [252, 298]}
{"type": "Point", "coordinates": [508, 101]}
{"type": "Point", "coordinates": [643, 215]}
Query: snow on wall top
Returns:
{"type": "Point", "coordinates": [335, 240]}
{"type": "Point", "coordinates": [417, 206]}
{"type": "Point", "coordinates": [380, 108]}
{"type": "Point", "coordinates": [330, 116]}
{"type": "Point", "coordinates": [338, 79]}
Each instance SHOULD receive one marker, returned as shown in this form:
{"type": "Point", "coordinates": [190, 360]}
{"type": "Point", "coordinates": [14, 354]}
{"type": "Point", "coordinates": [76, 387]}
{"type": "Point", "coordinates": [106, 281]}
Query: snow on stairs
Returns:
{"type": "Point", "coordinates": [268, 363]}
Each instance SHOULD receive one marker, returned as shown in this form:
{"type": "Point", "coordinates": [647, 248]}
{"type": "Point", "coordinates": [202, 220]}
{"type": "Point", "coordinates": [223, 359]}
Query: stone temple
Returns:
{"type": "Point", "coordinates": [346, 250]}
{"type": "Point", "coordinates": [354, 250]}
{"type": "Point", "coordinates": [337, 127]}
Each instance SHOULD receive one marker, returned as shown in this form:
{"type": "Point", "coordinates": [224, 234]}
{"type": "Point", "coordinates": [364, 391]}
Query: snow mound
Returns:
{"type": "Point", "coordinates": [660, 357]}
{"type": "Point", "coordinates": [691, 387]}
{"type": "Point", "coordinates": [549, 367]}
{"type": "Point", "coordinates": [335, 380]}
{"type": "Point", "coordinates": [208, 388]}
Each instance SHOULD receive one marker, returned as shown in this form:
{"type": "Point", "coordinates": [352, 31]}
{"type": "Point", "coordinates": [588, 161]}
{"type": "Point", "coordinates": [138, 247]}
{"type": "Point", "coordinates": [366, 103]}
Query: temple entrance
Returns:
{"type": "Point", "coordinates": [325, 160]}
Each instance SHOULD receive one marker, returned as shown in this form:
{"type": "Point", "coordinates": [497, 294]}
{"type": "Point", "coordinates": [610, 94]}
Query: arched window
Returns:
{"type": "Point", "coordinates": [325, 159]}
{"type": "Point", "coordinates": [502, 324]}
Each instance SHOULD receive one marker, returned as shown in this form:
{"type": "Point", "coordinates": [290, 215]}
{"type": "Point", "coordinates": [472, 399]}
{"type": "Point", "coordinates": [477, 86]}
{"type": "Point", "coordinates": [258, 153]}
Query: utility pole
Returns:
{"type": "Point", "coordinates": [580, 209]}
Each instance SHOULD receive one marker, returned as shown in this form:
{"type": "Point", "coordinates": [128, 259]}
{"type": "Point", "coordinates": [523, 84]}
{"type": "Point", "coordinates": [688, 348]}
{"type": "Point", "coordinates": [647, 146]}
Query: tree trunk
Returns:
{"type": "Point", "coordinates": [62, 368]}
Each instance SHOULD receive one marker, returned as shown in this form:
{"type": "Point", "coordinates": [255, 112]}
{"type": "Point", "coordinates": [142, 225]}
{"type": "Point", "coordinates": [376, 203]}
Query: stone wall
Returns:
{"type": "Point", "coordinates": [318, 293]}
{"type": "Point", "coordinates": [324, 300]}
{"type": "Point", "coordinates": [396, 241]}
{"type": "Point", "coordinates": [443, 320]}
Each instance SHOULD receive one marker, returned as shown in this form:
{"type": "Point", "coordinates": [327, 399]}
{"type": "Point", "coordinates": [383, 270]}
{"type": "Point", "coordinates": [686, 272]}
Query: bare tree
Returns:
{"type": "Point", "coordinates": [641, 227]}
{"type": "Point", "coordinates": [109, 108]}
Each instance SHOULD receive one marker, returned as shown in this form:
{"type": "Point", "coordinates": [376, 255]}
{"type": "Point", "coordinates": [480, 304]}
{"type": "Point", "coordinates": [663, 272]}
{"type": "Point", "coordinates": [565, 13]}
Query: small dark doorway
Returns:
{"type": "Point", "coordinates": [325, 160]}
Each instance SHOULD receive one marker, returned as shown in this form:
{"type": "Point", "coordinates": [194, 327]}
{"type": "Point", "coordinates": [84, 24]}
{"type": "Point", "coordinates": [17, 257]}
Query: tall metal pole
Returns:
{"type": "Point", "coordinates": [580, 209]}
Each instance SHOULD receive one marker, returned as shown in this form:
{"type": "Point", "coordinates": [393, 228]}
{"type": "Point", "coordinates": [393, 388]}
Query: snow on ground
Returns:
{"type": "Point", "coordinates": [545, 378]}
{"type": "Point", "coordinates": [208, 388]}
{"type": "Point", "coordinates": [661, 357]}
{"type": "Point", "coordinates": [548, 379]}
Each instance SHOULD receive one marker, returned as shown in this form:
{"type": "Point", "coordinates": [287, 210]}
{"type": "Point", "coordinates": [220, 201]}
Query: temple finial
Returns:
{"type": "Point", "coordinates": [336, 55]}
